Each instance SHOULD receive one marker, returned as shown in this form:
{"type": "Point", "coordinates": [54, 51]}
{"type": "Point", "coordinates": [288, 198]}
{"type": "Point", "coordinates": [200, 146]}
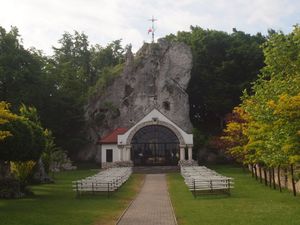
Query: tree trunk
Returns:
{"type": "Point", "coordinates": [293, 180]}
{"type": "Point", "coordinates": [252, 174]}
{"type": "Point", "coordinates": [270, 177]}
{"type": "Point", "coordinates": [255, 172]}
{"type": "Point", "coordinates": [273, 178]}
{"type": "Point", "coordinates": [4, 169]}
{"type": "Point", "coordinates": [266, 178]}
{"type": "Point", "coordinates": [278, 176]}
{"type": "Point", "coordinates": [285, 177]}
{"type": "Point", "coordinates": [260, 175]}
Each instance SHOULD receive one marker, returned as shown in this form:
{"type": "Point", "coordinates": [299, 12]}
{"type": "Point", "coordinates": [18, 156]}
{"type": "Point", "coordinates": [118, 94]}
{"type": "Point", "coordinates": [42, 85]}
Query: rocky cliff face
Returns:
{"type": "Point", "coordinates": [157, 76]}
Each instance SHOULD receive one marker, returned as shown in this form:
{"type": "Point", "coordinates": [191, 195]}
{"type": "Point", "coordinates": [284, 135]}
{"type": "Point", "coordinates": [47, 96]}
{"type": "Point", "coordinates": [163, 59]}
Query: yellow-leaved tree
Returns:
{"type": "Point", "coordinates": [5, 117]}
{"type": "Point", "coordinates": [271, 137]}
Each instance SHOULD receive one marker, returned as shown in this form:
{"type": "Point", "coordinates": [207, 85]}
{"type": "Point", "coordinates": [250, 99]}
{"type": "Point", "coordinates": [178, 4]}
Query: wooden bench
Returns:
{"type": "Point", "coordinates": [200, 179]}
{"type": "Point", "coordinates": [106, 181]}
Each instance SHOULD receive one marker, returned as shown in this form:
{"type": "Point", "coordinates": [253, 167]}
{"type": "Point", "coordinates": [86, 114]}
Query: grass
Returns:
{"type": "Point", "coordinates": [250, 203]}
{"type": "Point", "coordinates": [56, 204]}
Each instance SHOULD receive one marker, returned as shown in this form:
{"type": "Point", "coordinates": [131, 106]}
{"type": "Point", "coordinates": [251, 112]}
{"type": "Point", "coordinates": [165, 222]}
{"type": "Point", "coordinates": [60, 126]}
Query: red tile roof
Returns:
{"type": "Point", "coordinates": [112, 138]}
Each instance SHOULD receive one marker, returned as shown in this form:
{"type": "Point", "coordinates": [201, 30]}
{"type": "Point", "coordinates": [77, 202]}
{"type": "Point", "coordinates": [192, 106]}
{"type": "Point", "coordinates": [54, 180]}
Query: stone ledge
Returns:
{"type": "Point", "coordinates": [106, 165]}
{"type": "Point", "coordinates": [187, 163]}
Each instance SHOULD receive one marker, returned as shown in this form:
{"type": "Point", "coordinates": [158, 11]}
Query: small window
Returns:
{"type": "Point", "coordinates": [166, 105]}
{"type": "Point", "coordinates": [109, 155]}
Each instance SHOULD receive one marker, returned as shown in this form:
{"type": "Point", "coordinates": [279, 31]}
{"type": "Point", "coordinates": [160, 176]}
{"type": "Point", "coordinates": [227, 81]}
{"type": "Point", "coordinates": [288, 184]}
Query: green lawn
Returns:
{"type": "Point", "coordinates": [250, 203]}
{"type": "Point", "coordinates": [56, 204]}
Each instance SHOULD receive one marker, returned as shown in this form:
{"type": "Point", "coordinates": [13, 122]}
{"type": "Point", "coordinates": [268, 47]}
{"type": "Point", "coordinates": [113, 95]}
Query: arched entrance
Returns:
{"type": "Point", "coordinates": [154, 145]}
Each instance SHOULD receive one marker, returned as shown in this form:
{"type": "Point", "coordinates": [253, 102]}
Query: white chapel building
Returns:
{"type": "Point", "coordinates": [154, 140]}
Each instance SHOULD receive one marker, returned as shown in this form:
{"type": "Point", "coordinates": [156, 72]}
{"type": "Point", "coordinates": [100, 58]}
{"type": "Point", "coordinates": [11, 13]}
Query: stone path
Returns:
{"type": "Point", "coordinates": [152, 205]}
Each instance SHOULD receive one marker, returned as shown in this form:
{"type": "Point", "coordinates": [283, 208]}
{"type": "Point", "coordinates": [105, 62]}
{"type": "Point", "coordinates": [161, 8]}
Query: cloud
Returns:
{"type": "Point", "coordinates": [42, 22]}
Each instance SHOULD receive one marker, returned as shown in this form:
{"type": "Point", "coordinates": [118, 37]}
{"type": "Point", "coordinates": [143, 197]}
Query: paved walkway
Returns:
{"type": "Point", "coordinates": [152, 205]}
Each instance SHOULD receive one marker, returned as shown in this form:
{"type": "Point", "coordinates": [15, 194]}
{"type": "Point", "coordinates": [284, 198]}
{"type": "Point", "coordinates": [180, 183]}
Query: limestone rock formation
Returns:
{"type": "Point", "coordinates": [157, 76]}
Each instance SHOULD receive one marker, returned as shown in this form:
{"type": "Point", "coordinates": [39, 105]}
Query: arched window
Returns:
{"type": "Point", "coordinates": [155, 145]}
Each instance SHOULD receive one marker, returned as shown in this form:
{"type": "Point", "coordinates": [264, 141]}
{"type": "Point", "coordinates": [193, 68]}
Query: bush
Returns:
{"type": "Point", "coordinates": [23, 172]}
{"type": "Point", "coordinates": [9, 188]}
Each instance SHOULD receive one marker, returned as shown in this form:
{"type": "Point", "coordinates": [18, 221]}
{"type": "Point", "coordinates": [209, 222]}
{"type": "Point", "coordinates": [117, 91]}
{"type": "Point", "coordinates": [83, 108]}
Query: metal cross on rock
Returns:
{"type": "Point", "coordinates": [152, 29]}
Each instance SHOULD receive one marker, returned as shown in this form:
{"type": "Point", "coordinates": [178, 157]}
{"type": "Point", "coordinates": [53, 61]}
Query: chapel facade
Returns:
{"type": "Point", "coordinates": [155, 140]}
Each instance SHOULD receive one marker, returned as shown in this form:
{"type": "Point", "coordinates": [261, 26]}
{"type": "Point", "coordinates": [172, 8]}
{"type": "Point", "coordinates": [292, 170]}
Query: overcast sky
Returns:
{"type": "Point", "coordinates": [42, 22]}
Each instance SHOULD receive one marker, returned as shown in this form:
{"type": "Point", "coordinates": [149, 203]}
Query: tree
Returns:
{"type": "Point", "coordinates": [287, 113]}
{"type": "Point", "coordinates": [223, 66]}
{"type": "Point", "coordinates": [20, 150]}
{"type": "Point", "coordinates": [27, 140]}
{"type": "Point", "coordinates": [272, 131]}
{"type": "Point", "coordinates": [20, 71]}
{"type": "Point", "coordinates": [108, 56]}
{"type": "Point", "coordinates": [77, 68]}
{"type": "Point", "coordinates": [274, 98]}
{"type": "Point", "coordinates": [234, 139]}
{"type": "Point", "coordinates": [6, 116]}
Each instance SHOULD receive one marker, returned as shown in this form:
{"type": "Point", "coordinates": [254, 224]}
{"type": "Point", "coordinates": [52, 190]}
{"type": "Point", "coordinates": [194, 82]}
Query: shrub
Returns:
{"type": "Point", "coordinates": [22, 171]}
{"type": "Point", "coordinates": [9, 188]}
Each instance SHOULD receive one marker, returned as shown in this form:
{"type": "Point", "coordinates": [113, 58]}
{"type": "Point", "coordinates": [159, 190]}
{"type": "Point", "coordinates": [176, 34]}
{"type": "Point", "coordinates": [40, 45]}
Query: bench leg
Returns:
{"type": "Point", "coordinates": [77, 191]}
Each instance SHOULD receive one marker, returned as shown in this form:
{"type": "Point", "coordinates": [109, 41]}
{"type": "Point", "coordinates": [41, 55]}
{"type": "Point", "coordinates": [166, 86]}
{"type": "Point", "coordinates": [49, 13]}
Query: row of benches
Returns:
{"type": "Point", "coordinates": [108, 181]}
{"type": "Point", "coordinates": [200, 179]}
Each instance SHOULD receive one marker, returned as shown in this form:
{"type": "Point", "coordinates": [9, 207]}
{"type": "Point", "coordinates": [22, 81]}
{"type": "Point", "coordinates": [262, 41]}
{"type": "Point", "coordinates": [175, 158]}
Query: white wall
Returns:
{"type": "Point", "coordinates": [188, 138]}
{"type": "Point", "coordinates": [116, 152]}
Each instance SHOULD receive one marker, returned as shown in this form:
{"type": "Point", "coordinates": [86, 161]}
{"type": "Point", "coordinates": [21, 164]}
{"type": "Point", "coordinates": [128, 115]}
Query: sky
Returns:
{"type": "Point", "coordinates": [41, 23]}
